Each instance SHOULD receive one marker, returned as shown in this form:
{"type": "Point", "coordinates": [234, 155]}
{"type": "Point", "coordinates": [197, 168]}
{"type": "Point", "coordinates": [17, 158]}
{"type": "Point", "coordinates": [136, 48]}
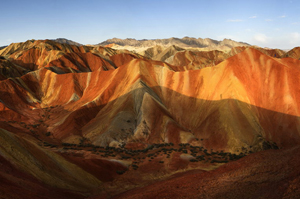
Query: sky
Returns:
{"type": "Point", "coordinates": [265, 23]}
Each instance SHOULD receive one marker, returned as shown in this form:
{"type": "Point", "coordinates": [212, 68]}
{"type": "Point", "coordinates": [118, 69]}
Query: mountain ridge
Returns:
{"type": "Point", "coordinates": [66, 41]}
{"type": "Point", "coordinates": [184, 42]}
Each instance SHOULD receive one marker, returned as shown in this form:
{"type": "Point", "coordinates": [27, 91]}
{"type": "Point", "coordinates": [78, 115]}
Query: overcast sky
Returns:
{"type": "Point", "coordinates": [266, 23]}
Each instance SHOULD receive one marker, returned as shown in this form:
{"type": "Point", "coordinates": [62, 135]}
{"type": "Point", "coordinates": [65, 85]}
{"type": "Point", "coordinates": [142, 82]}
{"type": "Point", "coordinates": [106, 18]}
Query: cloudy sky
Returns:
{"type": "Point", "coordinates": [266, 23]}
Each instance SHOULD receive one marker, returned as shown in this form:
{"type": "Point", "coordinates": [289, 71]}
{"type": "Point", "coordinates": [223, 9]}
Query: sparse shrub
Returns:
{"type": "Point", "coordinates": [219, 161]}
{"type": "Point", "coordinates": [120, 172]}
{"type": "Point", "coordinates": [135, 167]}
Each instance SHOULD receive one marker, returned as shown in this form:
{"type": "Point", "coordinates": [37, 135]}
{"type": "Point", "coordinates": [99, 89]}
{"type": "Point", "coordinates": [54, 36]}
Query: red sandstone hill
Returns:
{"type": "Point", "coordinates": [96, 122]}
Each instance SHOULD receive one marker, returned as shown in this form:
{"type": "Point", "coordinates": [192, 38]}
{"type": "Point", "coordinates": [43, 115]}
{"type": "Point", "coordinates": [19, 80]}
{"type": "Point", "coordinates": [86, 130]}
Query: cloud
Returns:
{"type": "Point", "coordinates": [262, 38]}
{"type": "Point", "coordinates": [293, 39]}
{"type": "Point", "coordinates": [295, 36]}
{"type": "Point", "coordinates": [283, 16]}
{"type": "Point", "coordinates": [253, 17]}
{"type": "Point", "coordinates": [268, 20]}
{"type": "Point", "coordinates": [234, 20]}
{"type": "Point", "coordinates": [295, 23]}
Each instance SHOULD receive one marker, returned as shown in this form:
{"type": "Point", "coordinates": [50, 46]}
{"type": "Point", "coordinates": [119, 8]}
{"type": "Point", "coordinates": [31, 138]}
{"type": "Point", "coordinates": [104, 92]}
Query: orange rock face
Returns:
{"type": "Point", "coordinates": [93, 121]}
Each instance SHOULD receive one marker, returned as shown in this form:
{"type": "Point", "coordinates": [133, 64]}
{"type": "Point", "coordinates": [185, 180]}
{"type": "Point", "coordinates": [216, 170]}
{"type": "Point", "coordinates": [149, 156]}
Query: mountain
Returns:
{"type": "Point", "coordinates": [294, 53]}
{"type": "Point", "coordinates": [197, 59]}
{"type": "Point", "coordinates": [66, 41]}
{"type": "Point", "coordinates": [97, 122]}
{"type": "Point", "coordinates": [186, 42]}
{"type": "Point", "coordinates": [162, 49]}
{"type": "Point", "coordinates": [19, 59]}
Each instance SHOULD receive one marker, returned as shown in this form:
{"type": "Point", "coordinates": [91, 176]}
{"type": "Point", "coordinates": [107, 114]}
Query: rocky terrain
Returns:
{"type": "Point", "coordinates": [97, 122]}
{"type": "Point", "coordinates": [186, 42]}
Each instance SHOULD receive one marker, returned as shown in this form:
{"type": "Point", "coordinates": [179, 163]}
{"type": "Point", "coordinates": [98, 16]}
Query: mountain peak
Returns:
{"type": "Point", "coordinates": [185, 42]}
{"type": "Point", "coordinates": [66, 41]}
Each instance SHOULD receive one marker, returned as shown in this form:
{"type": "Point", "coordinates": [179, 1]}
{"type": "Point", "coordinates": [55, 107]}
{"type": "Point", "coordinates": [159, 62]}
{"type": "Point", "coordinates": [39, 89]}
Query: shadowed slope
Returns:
{"type": "Point", "coordinates": [79, 62]}
{"type": "Point", "coordinates": [43, 164]}
{"type": "Point", "coordinates": [20, 185]}
{"type": "Point", "coordinates": [33, 55]}
{"type": "Point", "coordinates": [267, 174]}
{"type": "Point", "coordinates": [166, 53]}
{"type": "Point", "coordinates": [216, 102]}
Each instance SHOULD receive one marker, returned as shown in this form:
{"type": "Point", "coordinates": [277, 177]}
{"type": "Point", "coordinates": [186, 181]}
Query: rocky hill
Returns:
{"type": "Point", "coordinates": [186, 42]}
{"type": "Point", "coordinates": [162, 49]}
{"type": "Point", "coordinates": [96, 122]}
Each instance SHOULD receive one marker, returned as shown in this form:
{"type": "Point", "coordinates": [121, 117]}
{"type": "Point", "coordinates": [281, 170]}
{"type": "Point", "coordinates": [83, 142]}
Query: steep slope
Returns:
{"type": "Point", "coordinates": [166, 53]}
{"type": "Point", "coordinates": [294, 53]}
{"type": "Point", "coordinates": [238, 124]}
{"type": "Point", "coordinates": [32, 55]}
{"type": "Point", "coordinates": [8, 69]}
{"type": "Point", "coordinates": [160, 53]}
{"type": "Point", "coordinates": [152, 51]}
{"type": "Point", "coordinates": [228, 104]}
{"type": "Point", "coordinates": [44, 165]}
{"type": "Point", "coordinates": [79, 62]}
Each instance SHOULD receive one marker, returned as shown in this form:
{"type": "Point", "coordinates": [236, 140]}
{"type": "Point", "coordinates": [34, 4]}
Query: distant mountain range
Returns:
{"type": "Point", "coordinates": [66, 41]}
{"type": "Point", "coordinates": [186, 42]}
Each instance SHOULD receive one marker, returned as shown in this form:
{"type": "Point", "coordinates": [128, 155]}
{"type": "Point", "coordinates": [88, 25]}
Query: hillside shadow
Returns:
{"type": "Point", "coordinates": [217, 123]}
